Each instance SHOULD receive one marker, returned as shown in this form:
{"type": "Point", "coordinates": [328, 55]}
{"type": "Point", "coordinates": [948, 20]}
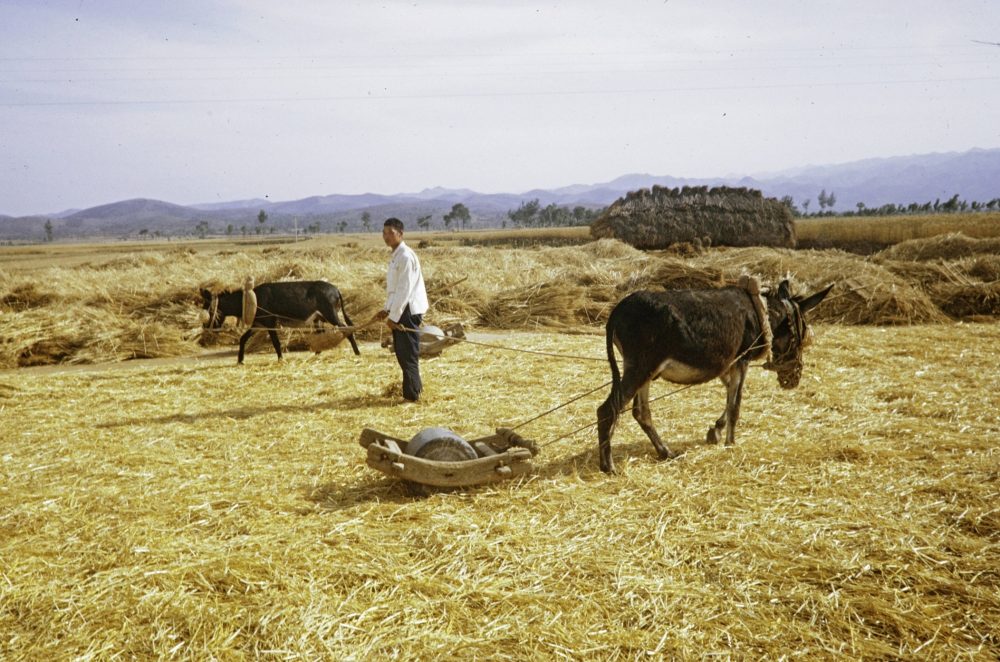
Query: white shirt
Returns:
{"type": "Point", "coordinates": [405, 284]}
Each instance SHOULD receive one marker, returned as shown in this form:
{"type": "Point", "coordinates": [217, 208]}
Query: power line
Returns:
{"type": "Point", "coordinates": [473, 95]}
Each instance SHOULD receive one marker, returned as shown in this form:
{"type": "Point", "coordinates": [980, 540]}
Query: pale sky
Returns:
{"type": "Point", "coordinates": [196, 101]}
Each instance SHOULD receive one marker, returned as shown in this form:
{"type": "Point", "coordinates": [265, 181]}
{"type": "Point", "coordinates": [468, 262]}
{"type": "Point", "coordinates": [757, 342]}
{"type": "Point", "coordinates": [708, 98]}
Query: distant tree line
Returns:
{"type": "Point", "coordinates": [952, 205]}
{"type": "Point", "coordinates": [532, 215]}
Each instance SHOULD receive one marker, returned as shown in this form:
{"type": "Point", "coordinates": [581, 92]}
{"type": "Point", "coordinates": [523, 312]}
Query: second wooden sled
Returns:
{"type": "Point", "coordinates": [501, 456]}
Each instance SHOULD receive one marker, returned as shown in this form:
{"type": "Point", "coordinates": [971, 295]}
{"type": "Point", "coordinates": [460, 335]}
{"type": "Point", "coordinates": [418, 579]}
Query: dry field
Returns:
{"type": "Point", "coordinates": [187, 508]}
{"type": "Point", "coordinates": [199, 510]}
{"type": "Point", "coordinates": [885, 230]}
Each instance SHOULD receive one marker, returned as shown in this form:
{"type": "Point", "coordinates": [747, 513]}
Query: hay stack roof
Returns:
{"type": "Point", "coordinates": [658, 217]}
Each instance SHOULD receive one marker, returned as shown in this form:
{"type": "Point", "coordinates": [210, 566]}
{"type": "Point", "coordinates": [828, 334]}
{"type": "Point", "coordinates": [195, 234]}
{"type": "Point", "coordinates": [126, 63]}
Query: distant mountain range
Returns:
{"type": "Point", "coordinates": [973, 175]}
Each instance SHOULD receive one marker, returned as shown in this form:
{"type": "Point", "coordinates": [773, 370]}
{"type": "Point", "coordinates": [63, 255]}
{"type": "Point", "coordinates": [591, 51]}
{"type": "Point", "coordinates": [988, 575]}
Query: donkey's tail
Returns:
{"type": "Point", "coordinates": [616, 378]}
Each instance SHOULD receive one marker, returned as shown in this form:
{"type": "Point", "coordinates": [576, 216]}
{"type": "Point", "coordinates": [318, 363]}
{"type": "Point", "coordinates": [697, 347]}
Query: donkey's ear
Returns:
{"type": "Point", "coordinates": [784, 290]}
{"type": "Point", "coordinates": [813, 300]}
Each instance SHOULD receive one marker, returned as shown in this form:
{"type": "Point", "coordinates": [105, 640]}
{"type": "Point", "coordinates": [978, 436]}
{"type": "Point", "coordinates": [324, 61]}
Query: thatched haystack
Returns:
{"type": "Point", "coordinates": [722, 216]}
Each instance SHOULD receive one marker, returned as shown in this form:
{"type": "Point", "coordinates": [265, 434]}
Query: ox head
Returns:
{"type": "Point", "coordinates": [211, 319]}
{"type": "Point", "coordinates": [791, 334]}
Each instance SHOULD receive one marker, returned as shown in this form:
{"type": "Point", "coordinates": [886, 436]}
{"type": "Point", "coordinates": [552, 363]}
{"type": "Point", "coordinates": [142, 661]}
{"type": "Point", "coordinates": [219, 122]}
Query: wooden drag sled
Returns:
{"type": "Point", "coordinates": [438, 457]}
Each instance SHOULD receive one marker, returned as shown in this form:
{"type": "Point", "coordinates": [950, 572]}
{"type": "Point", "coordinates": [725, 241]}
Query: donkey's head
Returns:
{"type": "Point", "coordinates": [790, 332]}
{"type": "Point", "coordinates": [210, 302]}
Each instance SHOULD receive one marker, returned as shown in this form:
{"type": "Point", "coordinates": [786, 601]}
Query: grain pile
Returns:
{"type": "Point", "coordinates": [960, 273]}
{"type": "Point", "coordinates": [947, 246]}
{"type": "Point", "coordinates": [147, 305]}
{"type": "Point", "coordinates": [198, 511]}
{"type": "Point", "coordinates": [658, 217]}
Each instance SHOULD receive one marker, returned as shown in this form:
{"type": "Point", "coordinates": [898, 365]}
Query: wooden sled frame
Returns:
{"type": "Point", "coordinates": [501, 456]}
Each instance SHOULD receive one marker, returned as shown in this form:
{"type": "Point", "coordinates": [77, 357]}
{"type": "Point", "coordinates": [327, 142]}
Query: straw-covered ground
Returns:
{"type": "Point", "coordinates": [200, 510]}
{"type": "Point", "coordinates": [191, 509]}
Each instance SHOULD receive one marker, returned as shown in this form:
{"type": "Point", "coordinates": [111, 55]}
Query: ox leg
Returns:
{"type": "Point", "coordinates": [608, 412]}
{"type": "Point", "coordinates": [273, 334]}
{"type": "Point", "coordinates": [350, 336]}
{"type": "Point", "coordinates": [733, 379]}
{"type": "Point", "coordinates": [243, 345]}
{"type": "Point", "coordinates": [642, 415]}
{"type": "Point", "coordinates": [317, 324]}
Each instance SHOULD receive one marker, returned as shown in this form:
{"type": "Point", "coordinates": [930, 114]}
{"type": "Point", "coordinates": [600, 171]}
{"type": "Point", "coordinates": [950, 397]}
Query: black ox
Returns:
{"type": "Point", "coordinates": [291, 303]}
{"type": "Point", "coordinates": [692, 337]}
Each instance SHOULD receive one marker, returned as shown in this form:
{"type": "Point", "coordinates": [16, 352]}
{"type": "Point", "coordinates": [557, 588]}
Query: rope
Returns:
{"type": "Point", "coordinates": [502, 347]}
{"type": "Point", "coordinates": [752, 287]}
{"type": "Point", "coordinates": [590, 425]}
{"type": "Point", "coordinates": [546, 413]}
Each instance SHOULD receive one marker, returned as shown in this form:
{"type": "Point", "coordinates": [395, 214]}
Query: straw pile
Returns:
{"type": "Point", "coordinates": [200, 511]}
{"type": "Point", "coordinates": [147, 305]}
{"type": "Point", "coordinates": [550, 304]}
{"type": "Point", "coordinates": [658, 217]}
{"type": "Point", "coordinates": [960, 274]}
{"type": "Point", "coordinates": [948, 246]}
{"type": "Point", "coordinates": [863, 293]}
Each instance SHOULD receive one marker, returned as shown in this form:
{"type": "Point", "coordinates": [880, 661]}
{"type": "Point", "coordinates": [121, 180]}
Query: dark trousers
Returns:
{"type": "Point", "coordinates": [406, 344]}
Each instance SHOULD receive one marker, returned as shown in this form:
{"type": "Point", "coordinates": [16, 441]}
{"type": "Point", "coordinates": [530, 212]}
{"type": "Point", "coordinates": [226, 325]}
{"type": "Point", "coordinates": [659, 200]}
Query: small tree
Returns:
{"type": "Point", "coordinates": [48, 229]}
{"type": "Point", "coordinates": [805, 206]}
{"type": "Point", "coordinates": [366, 221]}
{"type": "Point", "coordinates": [459, 212]}
{"type": "Point", "coordinates": [261, 220]}
{"type": "Point", "coordinates": [822, 200]}
{"type": "Point", "coordinates": [424, 222]}
{"type": "Point", "coordinates": [201, 229]}
{"type": "Point", "coordinates": [524, 215]}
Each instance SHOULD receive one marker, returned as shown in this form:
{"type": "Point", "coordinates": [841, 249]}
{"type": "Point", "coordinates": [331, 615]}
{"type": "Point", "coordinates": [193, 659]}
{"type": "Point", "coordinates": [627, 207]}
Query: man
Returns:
{"type": "Point", "coordinates": [404, 307]}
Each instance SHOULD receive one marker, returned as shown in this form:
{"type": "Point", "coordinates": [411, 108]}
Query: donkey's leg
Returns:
{"type": "Point", "coordinates": [641, 413]}
{"type": "Point", "coordinates": [733, 380]}
{"type": "Point", "coordinates": [243, 345]}
{"type": "Point", "coordinates": [734, 398]}
{"type": "Point", "coordinates": [607, 414]}
{"type": "Point", "coordinates": [607, 420]}
{"type": "Point", "coordinates": [273, 334]}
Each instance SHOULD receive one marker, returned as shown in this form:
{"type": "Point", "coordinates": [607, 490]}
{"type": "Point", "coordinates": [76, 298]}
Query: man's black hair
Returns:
{"type": "Point", "coordinates": [393, 223]}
